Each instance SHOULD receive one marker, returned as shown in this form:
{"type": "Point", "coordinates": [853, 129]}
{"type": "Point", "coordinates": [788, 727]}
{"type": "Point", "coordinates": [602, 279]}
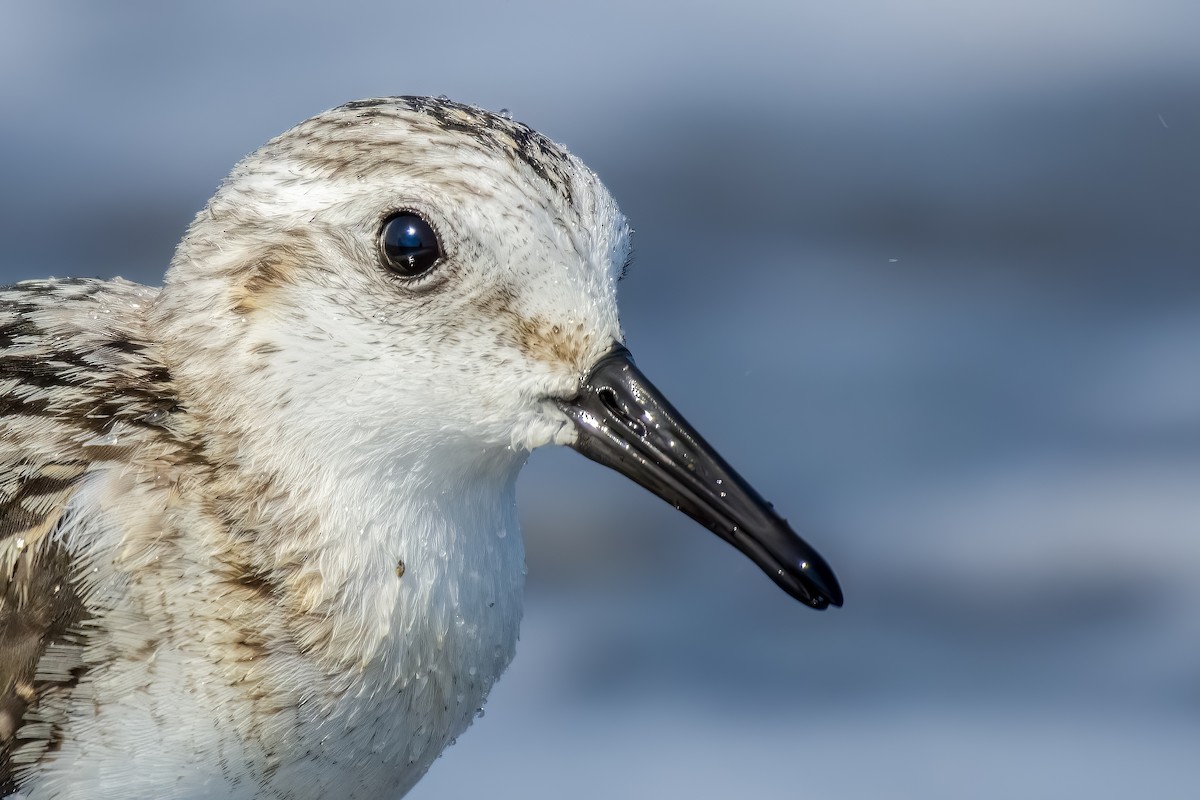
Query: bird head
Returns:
{"type": "Point", "coordinates": [413, 275]}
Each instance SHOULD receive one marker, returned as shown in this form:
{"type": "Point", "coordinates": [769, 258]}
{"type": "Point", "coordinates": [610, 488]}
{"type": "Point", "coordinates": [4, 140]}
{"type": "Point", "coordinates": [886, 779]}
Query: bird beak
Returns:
{"type": "Point", "coordinates": [625, 423]}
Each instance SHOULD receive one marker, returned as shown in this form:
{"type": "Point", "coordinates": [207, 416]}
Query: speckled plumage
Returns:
{"type": "Point", "coordinates": [205, 490]}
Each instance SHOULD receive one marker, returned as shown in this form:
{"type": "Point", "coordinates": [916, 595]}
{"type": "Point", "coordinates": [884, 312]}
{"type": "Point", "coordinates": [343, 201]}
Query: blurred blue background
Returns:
{"type": "Point", "coordinates": [927, 273]}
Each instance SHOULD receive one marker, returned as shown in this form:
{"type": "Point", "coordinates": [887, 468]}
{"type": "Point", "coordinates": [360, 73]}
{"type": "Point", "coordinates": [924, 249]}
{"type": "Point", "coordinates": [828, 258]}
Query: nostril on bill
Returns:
{"type": "Point", "coordinates": [608, 397]}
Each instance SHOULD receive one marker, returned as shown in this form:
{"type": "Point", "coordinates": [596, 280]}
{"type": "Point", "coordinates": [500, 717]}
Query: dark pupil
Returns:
{"type": "Point", "coordinates": [409, 244]}
{"type": "Point", "coordinates": [409, 237]}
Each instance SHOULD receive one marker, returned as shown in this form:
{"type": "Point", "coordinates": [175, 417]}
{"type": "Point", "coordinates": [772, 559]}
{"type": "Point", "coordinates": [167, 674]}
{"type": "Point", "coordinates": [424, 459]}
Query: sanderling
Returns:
{"type": "Point", "coordinates": [258, 535]}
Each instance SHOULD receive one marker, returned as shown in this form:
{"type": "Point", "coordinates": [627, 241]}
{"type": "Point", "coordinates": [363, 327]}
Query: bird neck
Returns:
{"type": "Point", "coordinates": [374, 589]}
{"type": "Point", "coordinates": [390, 559]}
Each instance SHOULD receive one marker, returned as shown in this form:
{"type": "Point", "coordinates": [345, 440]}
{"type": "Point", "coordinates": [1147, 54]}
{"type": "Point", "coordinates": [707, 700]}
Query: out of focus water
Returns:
{"type": "Point", "coordinates": [929, 274]}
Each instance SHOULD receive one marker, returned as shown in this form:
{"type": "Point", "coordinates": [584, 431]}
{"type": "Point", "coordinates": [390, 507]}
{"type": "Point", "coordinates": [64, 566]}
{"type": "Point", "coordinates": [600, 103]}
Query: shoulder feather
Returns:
{"type": "Point", "coordinates": [79, 390]}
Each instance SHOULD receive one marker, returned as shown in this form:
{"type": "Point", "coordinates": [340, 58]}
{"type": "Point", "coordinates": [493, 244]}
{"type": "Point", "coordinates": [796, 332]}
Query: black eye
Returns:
{"type": "Point", "coordinates": [410, 247]}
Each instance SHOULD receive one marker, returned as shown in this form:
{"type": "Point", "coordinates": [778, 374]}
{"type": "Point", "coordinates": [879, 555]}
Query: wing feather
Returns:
{"type": "Point", "coordinates": [71, 370]}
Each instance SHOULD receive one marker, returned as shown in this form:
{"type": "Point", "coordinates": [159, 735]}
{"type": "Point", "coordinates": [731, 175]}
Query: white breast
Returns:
{"type": "Point", "coordinates": [417, 655]}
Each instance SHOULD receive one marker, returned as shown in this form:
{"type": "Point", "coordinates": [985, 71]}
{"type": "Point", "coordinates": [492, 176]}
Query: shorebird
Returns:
{"type": "Point", "coordinates": [258, 535]}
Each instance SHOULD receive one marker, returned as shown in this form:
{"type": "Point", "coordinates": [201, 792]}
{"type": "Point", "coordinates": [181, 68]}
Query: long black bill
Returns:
{"type": "Point", "coordinates": [625, 423]}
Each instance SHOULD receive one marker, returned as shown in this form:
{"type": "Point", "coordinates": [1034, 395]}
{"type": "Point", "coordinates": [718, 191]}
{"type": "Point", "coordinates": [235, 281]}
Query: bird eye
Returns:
{"type": "Point", "coordinates": [410, 246]}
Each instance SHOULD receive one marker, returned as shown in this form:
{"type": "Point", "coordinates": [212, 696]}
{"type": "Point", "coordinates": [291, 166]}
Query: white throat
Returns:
{"type": "Point", "coordinates": [422, 573]}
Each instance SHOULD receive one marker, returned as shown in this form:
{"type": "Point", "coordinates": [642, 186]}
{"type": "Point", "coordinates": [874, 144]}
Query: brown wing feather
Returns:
{"type": "Point", "coordinates": [72, 369]}
{"type": "Point", "coordinates": [39, 609]}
